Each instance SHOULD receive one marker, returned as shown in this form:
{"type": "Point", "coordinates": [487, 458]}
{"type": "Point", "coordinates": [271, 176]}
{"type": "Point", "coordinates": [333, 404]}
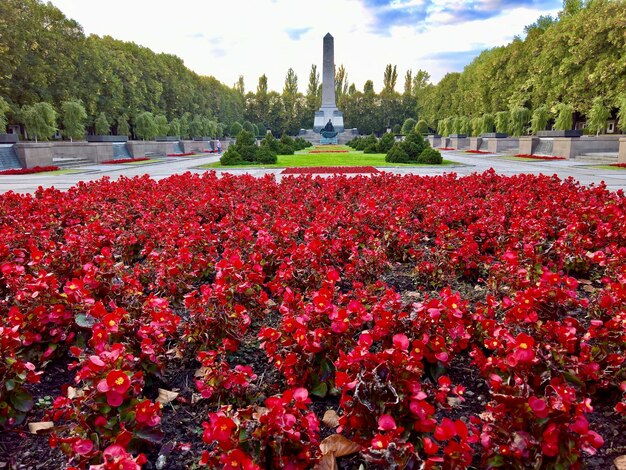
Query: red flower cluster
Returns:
{"type": "Point", "coordinates": [480, 152]}
{"type": "Point", "coordinates": [28, 171]}
{"type": "Point", "coordinates": [329, 151]}
{"type": "Point", "coordinates": [619, 165]}
{"type": "Point", "coordinates": [339, 170]}
{"type": "Point", "coordinates": [124, 160]}
{"type": "Point", "coordinates": [446, 148]}
{"type": "Point", "coordinates": [395, 296]}
{"type": "Point", "coordinates": [186, 154]}
{"type": "Point", "coordinates": [538, 157]}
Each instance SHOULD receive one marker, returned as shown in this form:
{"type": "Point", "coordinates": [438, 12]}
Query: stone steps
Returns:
{"type": "Point", "coordinates": [71, 162]}
{"type": "Point", "coordinates": [8, 158]}
{"type": "Point", "coordinates": [597, 157]}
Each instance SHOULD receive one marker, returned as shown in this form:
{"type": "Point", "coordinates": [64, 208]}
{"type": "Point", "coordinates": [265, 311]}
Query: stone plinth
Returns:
{"type": "Point", "coordinates": [9, 138]}
{"type": "Point", "coordinates": [556, 134]}
{"type": "Point", "coordinates": [458, 142]}
{"type": "Point", "coordinates": [434, 141]}
{"type": "Point", "coordinates": [621, 157]}
{"type": "Point", "coordinates": [474, 143]}
{"type": "Point", "coordinates": [107, 138]}
{"type": "Point", "coordinates": [528, 144]}
{"type": "Point", "coordinates": [32, 154]}
{"type": "Point", "coordinates": [94, 152]}
{"type": "Point", "coordinates": [503, 145]}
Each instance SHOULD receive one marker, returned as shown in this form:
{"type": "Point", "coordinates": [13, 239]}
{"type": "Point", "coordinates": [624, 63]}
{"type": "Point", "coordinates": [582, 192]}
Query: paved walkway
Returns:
{"type": "Point", "coordinates": [585, 172]}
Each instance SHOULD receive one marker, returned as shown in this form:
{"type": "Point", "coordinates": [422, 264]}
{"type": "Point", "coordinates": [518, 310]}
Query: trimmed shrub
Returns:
{"type": "Point", "coordinates": [235, 129]}
{"type": "Point", "coordinates": [271, 142]}
{"type": "Point", "coordinates": [421, 127]}
{"type": "Point", "coordinates": [386, 142]}
{"type": "Point", "coordinates": [408, 126]}
{"type": "Point", "coordinates": [395, 129]}
{"type": "Point", "coordinates": [285, 149]}
{"type": "Point", "coordinates": [231, 157]}
{"type": "Point", "coordinates": [431, 156]}
{"type": "Point", "coordinates": [414, 144]}
{"type": "Point", "coordinates": [397, 155]}
{"type": "Point", "coordinates": [371, 149]}
{"type": "Point", "coordinates": [265, 155]}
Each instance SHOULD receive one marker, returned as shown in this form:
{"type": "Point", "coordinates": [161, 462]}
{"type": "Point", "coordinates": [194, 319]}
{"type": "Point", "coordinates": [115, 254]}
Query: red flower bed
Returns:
{"type": "Point", "coordinates": [329, 151]}
{"type": "Point", "coordinates": [446, 148]}
{"type": "Point", "coordinates": [620, 165]}
{"type": "Point", "coordinates": [125, 160]}
{"type": "Point", "coordinates": [538, 157]}
{"type": "Point", "coordinates": [481, 152]}
{"type": "Point", "coordinates": [28, 171]}
{"type": "Point", "coordinates": [210, 151]}
{"type": "Point", "coordinates": [180, 154]}
{"type": "Point", "coordinates": [416, 321]}
{"type": "Point", "coordinates": [314, 170]}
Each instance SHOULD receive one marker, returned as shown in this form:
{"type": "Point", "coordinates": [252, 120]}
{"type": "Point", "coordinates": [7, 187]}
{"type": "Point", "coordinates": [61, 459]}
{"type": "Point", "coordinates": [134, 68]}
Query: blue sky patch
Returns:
{"type": "Point", "coordinates": [296, 33]}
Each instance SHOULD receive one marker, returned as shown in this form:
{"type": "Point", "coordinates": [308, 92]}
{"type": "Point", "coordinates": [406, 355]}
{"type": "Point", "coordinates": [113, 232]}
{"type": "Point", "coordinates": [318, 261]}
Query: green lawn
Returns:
{"type": "Point", "coordinates": [143, 162]}
{"type": "Point", "coordinates": [305, 159]}
{"type": "Point", "coordinates": [608, 167]}
{"type": "Point", "coordinates": [67, 171]}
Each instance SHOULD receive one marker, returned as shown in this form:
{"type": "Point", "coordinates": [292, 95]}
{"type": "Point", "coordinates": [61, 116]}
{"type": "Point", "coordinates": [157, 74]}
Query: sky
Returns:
{"type": "Point", "coordinates": [229, 38]}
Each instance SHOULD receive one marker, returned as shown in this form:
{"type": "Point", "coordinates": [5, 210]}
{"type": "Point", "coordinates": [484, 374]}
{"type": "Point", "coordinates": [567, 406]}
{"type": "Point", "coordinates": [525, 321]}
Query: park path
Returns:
{"type": "Point", "coordinates": [582, 171]}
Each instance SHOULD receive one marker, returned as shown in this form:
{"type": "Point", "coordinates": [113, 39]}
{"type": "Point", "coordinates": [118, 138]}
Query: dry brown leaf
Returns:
{"type": "Point", "coordinates": [331, 419]}
{"type": "Point", "coordinates": [74, 392]}
{"type": "Point", "coordinates": [260, 411]}
{"type": "Point", "coordinates": [620, 462]}
{"type": "Point", "coordinates": [338, 445]}
{"type": "Point", "coordinates": [327, 462]}
{"type": "Point", "coordinates": [588, 288]}
{"type": "Point", "coordinates": [584, 281]}
{"type": "Point", "coordinates": [195, 398]}
{"type": "Point", "coordinates": [34, 428]}
{"type": "Point", "coordinates": [454, 402]}
{"type": "Point", "coordinates": [200, 372]}
{"type": "Point", "coordinates": [166, 396]}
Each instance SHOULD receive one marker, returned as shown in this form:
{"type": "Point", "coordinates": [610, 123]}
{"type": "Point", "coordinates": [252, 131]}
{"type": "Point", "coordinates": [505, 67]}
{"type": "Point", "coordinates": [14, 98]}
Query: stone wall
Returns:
{"type": "Point", "coordinates": [459, 143]}
{"type": "Point", "coordinates": [434, 141]}
{"type": "Point", "coordinates": [504, 145]}
{"type": "Point", "coordinates": [32, 154]}
{"type": "Point", "coordinates": [95, 152]}
{"type": "Point", "coordinates": [621, 157]}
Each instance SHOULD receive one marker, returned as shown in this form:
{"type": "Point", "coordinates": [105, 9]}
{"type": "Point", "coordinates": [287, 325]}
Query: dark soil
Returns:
{"type": "Point", "coordinates": [182, 444]}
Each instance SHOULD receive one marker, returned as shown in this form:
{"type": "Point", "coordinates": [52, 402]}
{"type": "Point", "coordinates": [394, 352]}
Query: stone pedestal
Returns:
{"type": "Point", "coordinates": [33, 154]}
{"type": "Point", "coordinates": [474, 143]}
{"type": "Point", "coordinates": [458, 142]}
{"type": "Point", "coordinates": [500, 145]}
{"type": "Point", "coordinates": [621, 156]}
{"type": "Point", "coordinates": [528, 144]}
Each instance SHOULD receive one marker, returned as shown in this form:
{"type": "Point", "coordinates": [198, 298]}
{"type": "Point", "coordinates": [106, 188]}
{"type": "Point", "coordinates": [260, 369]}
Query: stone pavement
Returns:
{"type": "Point", "coordinates": [584, 172]}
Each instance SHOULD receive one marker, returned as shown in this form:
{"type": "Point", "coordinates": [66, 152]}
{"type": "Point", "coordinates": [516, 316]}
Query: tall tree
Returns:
{"type": "Point", "coordinates": [74, 117]}
{"type": "Point", "coordinates": [239, 86]}
{"type": "Point", "coordinates": [390, 78]}
{"type": "Point", "coordinates": [341, 82]}
{"type": "Point", "coordinates": [598, 116]}
{"type": "Point", "coordinates": [40, 120]}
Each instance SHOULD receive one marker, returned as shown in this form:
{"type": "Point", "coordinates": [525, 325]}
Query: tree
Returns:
{"type": "Point", "coordinates": [40, 120]}
{"type": "Point", "coordinates": [540, 119]}
{"type": "Point", "coordinates": [408, 82]}
{"type": "Point", "coordinates": [341, 82]}
{"type": "Point", "coordinates": [122, 125]}
{"type": "Point", "coordinates": [239, 86]}
{"type": "Point", "coordinates": [565, 117]}
{"type": "Point", "coordinates": [477, 126]}
{"type": "Point", "coordinates": [502, 122]}
{"type": "Point", "coordinates": [621, 105]}
{"type": "Point", "coordinates": [421, 127]}
{"type": "Point", "coordinates": [235, 129]}
{"type": "Point", "coordinates": [184, 126]}
{"type": "Point", "coordinates": [390, 78]}
{"type": "Point", "coordinates": [174, 128]}
{"type": "Point", "coordinates": [408, 126]}
{"type": "Point", "coordinates": [598, 116]}
{"type": "Point", "coordinates": [518, 120]}
{"type": "Point", "coordinates": [291, 83]}
{"type": "Point", "coordinates": [4, 109]}
{"type": "Point", "coordinates": [146, 126]}
{"type": "Point", "coordinates": [196, 126]}
{"type": "Point", "coordinates": [102, 125]}
{"type": "Point", "coordinates": [386, 142]}
{"type": "Point", "coordinates": [247, 126]}
{"type": "Point", "coordinates": [74, 116]}
{"type": "Point", "coordinates": [162, 125]}
{"type": "Point", "coordinates": [488, 123]}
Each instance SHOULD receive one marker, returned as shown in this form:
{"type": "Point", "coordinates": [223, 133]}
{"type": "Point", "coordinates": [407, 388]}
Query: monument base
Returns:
{"type": "Point", "coordinates": [329, 140]}
{"type": "Point", "coordinates": [325, 114]}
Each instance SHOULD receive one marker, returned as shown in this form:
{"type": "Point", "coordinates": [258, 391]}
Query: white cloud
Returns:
{"type": "Point", "coordinates": [241, 37]}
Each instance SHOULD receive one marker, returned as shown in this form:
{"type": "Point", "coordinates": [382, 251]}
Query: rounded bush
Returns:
{"type": "Point", "coordinates": [430, 156]}
{"type": "Point", "coordinates": [386, 142]}
{"type": "Point", "coordinates": [371, 149]}
{"type": "Point", "coordinates": [266, 156]}
{"type": "Point", "coordinates": [285, 149]}
{"type": "Point", "coordinates": [231, 157]}
{"type": "Point", "coordinates": [397, 155]}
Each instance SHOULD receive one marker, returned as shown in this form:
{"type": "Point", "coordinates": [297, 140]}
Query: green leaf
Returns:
{"type": "Point", "coordinates": [85, 321]}
{"type": "Point", "coordinates": [22, 401]}
{"type": "Point", "coordinates": [571, 378]}
{"type": "Point", "coordinates": [321, 390]}
{"type": "Point", "coordinates": [9, 385]}
{"type": "Point", "coordinates": [153, 435]}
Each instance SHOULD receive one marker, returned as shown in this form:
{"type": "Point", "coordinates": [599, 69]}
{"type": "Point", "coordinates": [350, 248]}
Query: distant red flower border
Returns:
{"type": "Point", "coordinates": [186, 154]}
{"type": "Point", "coordinates": [480, 152]}
{"type": "Point", "coordinates": [125, 160]}
{"type": "Point", "coordinates": [210, 151]}
{"type": "Point", "coordinates": [539, 157]}
{"type": "Point", "coordinates": [446, 148]}
{"type": "Point", "coordinates": [329, 151]}
{"type": "Point", "coordinates": [313, 170]}
{"type": "Point", "coordinates": [28, 171]}
{"type": "Point", "coordinates": [619, 165]}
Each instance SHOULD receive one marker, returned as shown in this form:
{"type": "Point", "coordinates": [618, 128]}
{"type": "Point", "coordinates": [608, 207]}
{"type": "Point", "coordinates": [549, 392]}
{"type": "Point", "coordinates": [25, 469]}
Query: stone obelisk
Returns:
{"type": "Point", "coordinates": [329, 110]}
